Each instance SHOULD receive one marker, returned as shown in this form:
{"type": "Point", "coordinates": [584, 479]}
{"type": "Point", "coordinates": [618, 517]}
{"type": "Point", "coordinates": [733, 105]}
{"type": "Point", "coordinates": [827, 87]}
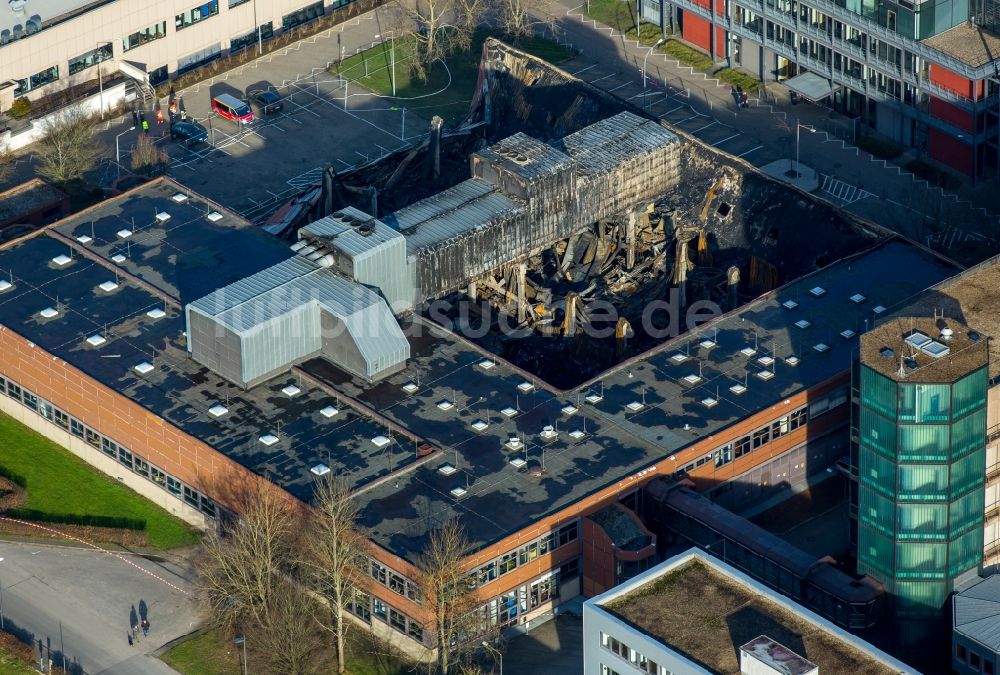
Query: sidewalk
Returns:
{"type": "Point", "coordinates": [765, 132]}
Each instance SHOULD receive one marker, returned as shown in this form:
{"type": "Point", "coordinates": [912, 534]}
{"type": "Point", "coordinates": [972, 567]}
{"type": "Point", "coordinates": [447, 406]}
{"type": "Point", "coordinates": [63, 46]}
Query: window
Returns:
{"type": "Point", "coordinates": [415, 630]}
{"type": "Point", "coordinates": [61, 418]}
{"type": "Point", "coordinates": [30, 400]}
{"type": "Point", "coordinates": [37, 80]}
{"type": "Point", "coordinates": [76, 428]}
{"type": "Point", "coordinates": [244, 41]}
{"type": "Point", "coordinates": [397, 620]}
{"type": "Point", "coordinates": [544, 590]}
{"type": "Point", "coordinates": [139, 38]}
{"type": "Point", "coordinates": [141, 467]}
{"type": "Point", "coordinates": [379, 573]}
{"type": "Point", "coordinates": [723, 455]}
{"type": "Point", "coordinates": [569, 570]}
{"type": "Point", "coordinates": [607, 671]}
{"type": "Point", "coordinates": [91, 58]}
{"type": "Point", "coordinates": [381, 610]}
{"type": "Point", "coordinates": [190, 496]}
{"type": "Point", "coordinates": [304, 15]}
{"type": "Point", "coordinates": [397, 584]}
{"type": "Point", "coordinates": [566, 534]}
{"type": "Point", "coordinates": [508, 562]}
{"type": "Point", "coordinates": [798, 419]}
{"type": "Point", "coordinates": [987, 667]}
{"type": "Point", "coordinates": [237, 3]}
{"type": "Point", "coordinates": [199, 13]}
{"type": "Point", "coordinates": [960, 652]}
{"type": "Point", "coordinates": [761, 437]}
{"type": "Point", "coordinates": [529, 552]}
{"type": "Point", "coordinates": [742, 446]}
{"type": "Point", "coordinates": [46, 410]}
{"type": "Point", "coordinates": [207, 506]}
{"type": "Point", "coordinates": [92, 438]}
{"type": "Point", "coordinates": [125, 457]}
{"type": "Point", "coordinates": [361, 606]}
{"type": "Point", "coordinates": [173, 486]}
{"type": "Point", "coordinates": [109, 447]}
{"type": "Point", "coordinates": [487, 572]}
{"type": "Point", "coordinates": [973, 660]}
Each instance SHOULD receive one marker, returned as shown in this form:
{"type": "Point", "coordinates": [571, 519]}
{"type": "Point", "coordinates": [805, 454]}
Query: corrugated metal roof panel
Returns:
{"type": "Point", "coordinates": [977, 612]}
{"type": "Point", "coordinates": [246, 289]}
{"type": "Point", "coordinates": [346, 232]}
{"type": "Point", "coordinates": [604, 145]}
{"type": "Point", "coordinates": [461, 209]}
{"type": "Point", "coordinates": [526, 156]}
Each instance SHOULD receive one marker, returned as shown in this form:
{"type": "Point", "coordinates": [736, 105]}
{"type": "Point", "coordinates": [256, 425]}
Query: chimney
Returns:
{"type": "Point", "coordinates": [733, 284]}
{"type": "Point", "coordinates": [434, 146]}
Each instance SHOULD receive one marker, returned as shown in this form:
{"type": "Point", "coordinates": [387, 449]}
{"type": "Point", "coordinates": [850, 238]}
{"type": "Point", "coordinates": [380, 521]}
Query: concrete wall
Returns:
{"type": "Point", "coordinates": [113, 96]}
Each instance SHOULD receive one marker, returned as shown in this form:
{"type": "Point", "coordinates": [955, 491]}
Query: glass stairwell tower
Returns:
{"type": "Point", "coordinates": [919, 455]}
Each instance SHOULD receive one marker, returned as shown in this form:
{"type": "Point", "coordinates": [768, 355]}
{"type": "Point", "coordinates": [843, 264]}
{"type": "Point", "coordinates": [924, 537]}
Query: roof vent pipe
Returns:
{"type": "Point", "coordinates": [946, 333]}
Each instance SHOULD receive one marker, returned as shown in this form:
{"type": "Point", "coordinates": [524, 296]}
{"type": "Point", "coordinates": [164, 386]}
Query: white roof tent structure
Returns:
{"type": "Point", "coordinates": [261, 326]}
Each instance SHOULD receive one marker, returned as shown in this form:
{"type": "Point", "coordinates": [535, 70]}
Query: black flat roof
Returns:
{"type": "Point", "coordinates": [189, 255]}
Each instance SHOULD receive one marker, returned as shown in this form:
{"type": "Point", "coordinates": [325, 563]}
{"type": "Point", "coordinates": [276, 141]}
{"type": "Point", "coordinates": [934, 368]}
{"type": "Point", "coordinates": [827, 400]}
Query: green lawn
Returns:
{"type": "Point", "coordinates": [681, 52]}
{"type": "Point", "coordinates": [58, 482]}
{"type": "Point", "coordinates": [11, 665]}
{"type": "Point", "coordinates": [615, 13]}
{"type": "Point", "coordinates": [738, 78]}
{"type": "Point", "coordinates": [448, 88]}
{"type": "Point", "coordinates": [204, 654]}
{"type": "Point", "coordinates": [210, 653]}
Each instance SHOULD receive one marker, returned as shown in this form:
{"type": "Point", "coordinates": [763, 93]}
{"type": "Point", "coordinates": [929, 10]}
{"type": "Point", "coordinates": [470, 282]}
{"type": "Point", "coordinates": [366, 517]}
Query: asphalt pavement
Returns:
{"type": "Point", "coordinates": [80, 603]}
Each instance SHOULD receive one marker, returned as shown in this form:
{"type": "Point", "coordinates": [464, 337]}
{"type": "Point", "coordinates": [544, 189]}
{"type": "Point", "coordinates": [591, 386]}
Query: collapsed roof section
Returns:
{"type": "Point", "coordinates": [260, 326]}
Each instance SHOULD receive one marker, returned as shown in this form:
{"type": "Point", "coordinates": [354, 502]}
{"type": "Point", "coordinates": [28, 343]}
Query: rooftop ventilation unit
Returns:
{"type": "Point", "coordinates": [85, 239]}
{"type": "Point", "coordinates": [320, 469]}
{"type": "Point", "coordinates": [329, 411]}
{"type": "Point", "coordinates": [163, 216]}
{"type": "Point", "coordinates": [548, 432]}
{"type": "Point", "coordinates": [144, 368]}
{"type": "Point", "coordinates": [857, 298]}
{"type": "Point", "coordinates": [180, 197]}
{"type": "Point", "coordinates": [268, 439]}
{"type": "Point", "coordinates": [946, 333]}
{"type": "Point", "coordinates": [446, 469]}
{"type": "Point", "coordinates": [49, 313]}
{"type": "Point", "coordinates": [108, 286]}
{"type": "Point", "coordinates": [218, 410]}
{"type": "Point", "coordinates": [156, 313]}
{"type": "Point", "coordinates": [291, 390]}
{"type": "Point", "coordinates": [96, 340]}
{"type": "Point", "coordinates": [887, 352]}
{"type": "Point", "coordinates": [514, 443]}
{"type": "Point", "coordinates": [380, 441]}
{"type": "Point", "coordinates": [214, 216]}
{"type": "Point", "coordinates": [62, 259]}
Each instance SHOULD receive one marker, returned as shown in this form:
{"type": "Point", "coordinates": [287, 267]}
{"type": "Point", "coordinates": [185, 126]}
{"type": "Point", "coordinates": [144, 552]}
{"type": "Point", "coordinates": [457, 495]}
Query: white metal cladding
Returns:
{"type": "Point", "coordinates": [470, 205]}
{"type": "Point", "coordinates": [375, 259]}
{"type": "Point", "coordinates": [526, 156]}
{"type": "Point", "coordinates": [282, 323]}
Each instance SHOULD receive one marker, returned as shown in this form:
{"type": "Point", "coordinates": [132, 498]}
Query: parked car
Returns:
{"type": "Point", "coordinates": [267, 102]}
{"type": "Point", "coordinates": [188, 133]}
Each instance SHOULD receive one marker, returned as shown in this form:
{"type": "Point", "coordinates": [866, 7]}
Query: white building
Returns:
{"type": "Point", "coordinates": [694, 615]}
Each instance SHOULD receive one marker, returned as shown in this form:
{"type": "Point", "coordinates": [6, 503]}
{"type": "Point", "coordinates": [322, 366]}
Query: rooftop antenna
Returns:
{"type": "Point", "coordinates": [517, 402]}
{"type": "Point", "coordinates": [584, 424]}
{"type": "Point", "coordinates": [755, 340]}
{"type": "Point", "coordinates": [92, 235]}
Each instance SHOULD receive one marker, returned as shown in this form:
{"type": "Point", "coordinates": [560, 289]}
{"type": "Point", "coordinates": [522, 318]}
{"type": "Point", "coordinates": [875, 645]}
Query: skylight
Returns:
{"type": "Point", "coordinates": [878, 309]}
{"type": "Point", "coordinates": [108, 286]}
{"type": "Point", "coordinates": [480, 425]}
{"type": "Point", "coordinates": [748, 351]}
{"type": "Point", "coordinates": [410, 387]}
{"type": "Point", "coordinates": [486, 364]}
{"type": "Point", "coordinates": [508, 412]}
{"type": "Point", "coordinates": [569, 409]}
{"type": "Point", "coordinates": [857, 298]}
{"type": "Point", "coordinates": [789, 304]}
{"type": "Point", "coordinates": [707, 343]}
{"type": "Point", "coordinates": [163, 216]}
{"type": "Point", "coordinates": [446, 469]}
{"type": "Point", "coordinates": [156, 313]}
{"type": "Point", "coordinates": [935, 349]}
{"type": "Point", "coordinates": [180, 197]}
{"type": "Point", "coordinates": [320, 469]}
{"type": "Point", "coordinates": [577, 434]}
{"type": "Point", "coordinates": [792, 360]}
{"type": "Point", "coordinates": [268, 439]}
{"type": "Point", "coordinates": [5, 285]}
{"type": "Point", "coordinates": [593, 398]}
{"type": "Point", "coordinates": [62, 259]}
{"type": "Point", "coordinates": [693, 378]}
{"type": "Point", "coordinates": [847, 333]}
{"type": "Point", "coordinates": [802, 323]}
{"type": "Point", "coordinates": [821, 347]}
{"type": "Point", "coordinates": [144, 367]}
{"type": "Point", "coordinates": [380, 441]}
{"type": "Point", "coordinates": [218, 410]}
{"type": "Point", "coordinates": [517, 462]}
{"type": "Point", "coordinates": [457, 492]}
{"type": "Point", "coordinates": [765, 360]}
{"type": "Point", "coordinates": [445, 404]}
{"type": "Point", "coordinates": [709, 402]}
{"type": "Point", "coordinates": [96, 340]}
{"type": "Point", "coordinates": [329, 411]}
{"type": "Point", "coordinates": [918, 339]}
{"type": "Point", "coordinates": [635, 406]}
{"type": "Point", "coordinates": [679, 357]}
{"type": "Point", "coordinates": [738, 389]}
{"type": "Point", "coordinates": [291, 390]}
{"type": "Point", "coordinates": [85, 239]}
{"type": "Point", "coordinates": [765, 375]}
{"type": "Point", "coordinates": [817, 291]}
{"type": "Point", "coordinates": [526, 386]}
{"type": "Point", "coordinates": [124, 233]}
{"type": "Point", "coordinates": [49, 313]}
{"type": "Point", "coordinates": [118, 258]}
{"type": "Point", "coordinates": [214, 216]}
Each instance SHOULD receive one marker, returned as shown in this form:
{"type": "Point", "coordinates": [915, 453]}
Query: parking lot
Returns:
{"type": "Point", "coordinates": [255, 167]}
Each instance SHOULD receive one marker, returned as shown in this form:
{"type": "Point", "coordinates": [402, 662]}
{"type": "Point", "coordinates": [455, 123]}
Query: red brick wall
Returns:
{"type": "Point", "coordinates": [109, 412]}
{"type": "Point", "coordinates": [949, 150]}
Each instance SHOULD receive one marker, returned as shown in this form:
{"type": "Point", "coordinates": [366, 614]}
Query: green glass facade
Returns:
{"type": "Point", "coordinates": [921, 462]}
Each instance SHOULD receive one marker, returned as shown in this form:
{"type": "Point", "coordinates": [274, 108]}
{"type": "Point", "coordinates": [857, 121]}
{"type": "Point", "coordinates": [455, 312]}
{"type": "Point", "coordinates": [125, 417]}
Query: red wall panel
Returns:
{"type": "Point", "coordinates": [697, 31]}
{"type": "Point", "coordinates": [953, 82]}
{"type": "Point", "coordinates": [949, 150]}
{"type": "Point", "coordinates": [943, 110]}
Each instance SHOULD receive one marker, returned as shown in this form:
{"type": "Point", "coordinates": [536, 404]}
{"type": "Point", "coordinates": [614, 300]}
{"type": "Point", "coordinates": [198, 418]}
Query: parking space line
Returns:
{"type": "Point", "coordinates": [728, 138]}
{"type": "Point", "coordinates": [704, 127]}
{"type": "Point", "coordinates": [619, 87]}
{"type": "Point", "coordinates": [577, 73]}
{"type": "Point", "coordinates": [603, 78]}
{"type": "Point", "coordinates": [744, 154]}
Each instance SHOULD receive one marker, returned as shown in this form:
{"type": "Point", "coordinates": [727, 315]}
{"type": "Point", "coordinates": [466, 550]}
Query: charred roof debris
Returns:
{"type": "Point", "coordinates": [553, 195]}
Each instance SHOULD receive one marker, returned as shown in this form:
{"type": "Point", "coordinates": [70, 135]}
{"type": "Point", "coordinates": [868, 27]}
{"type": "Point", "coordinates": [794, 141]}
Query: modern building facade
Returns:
{"type": "Point", "coordinates": [975, 628]}
{"type": "Point", "coordinates": [920, 456]}
{"type": "Point", "coordinates": [49, 44]}
{"type": "Point", "coordinates": [922, 73]}
{"type": "Point", "coordinates": [686, 615]}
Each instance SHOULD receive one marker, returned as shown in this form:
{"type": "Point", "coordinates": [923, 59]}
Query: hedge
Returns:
{"type": "Point", "coordinates": [74, 519]}
{"type": "Point", "coordinates": [14, 478]}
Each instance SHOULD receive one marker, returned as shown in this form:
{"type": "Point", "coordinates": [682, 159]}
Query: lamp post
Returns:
{"type": "Point", "coordinates": [100, 80]}
{"type": "Point", "coordinates": [117, 159]}
{"type": "Point", "coordinates": [260, 48]}
{"type": "Point", "coordinates": [242, 640]}
{"type": "Point", "coordinates": [799, 126]}
{"type": "Point", "coordinates": [496, 652]}
{"type": "Point", "coordinates": [392, 49]}
{"type": "Point", "coordinates": [658, 43]}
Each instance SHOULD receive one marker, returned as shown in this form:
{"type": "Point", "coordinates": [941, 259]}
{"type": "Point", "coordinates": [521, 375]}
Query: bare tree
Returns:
{"type": "Point", "coordinates": [286, 640]}
{"type": "Point", "coordinates": [68, 150]}
{"type": "Point", "coordinates": [240, 569]}
{"type": "Point", "coordinates": [336, 555]}
{"type": "Point", "coordinates": [437, 28]}
{"type": "Point", "coordinates": [7, 162]}
{"type": "Point", "coordinates": [147, 157]}
{"type": "Point", "coordinates": [520, 19]}
{"type": "Point", "coordinates": [450, 594]}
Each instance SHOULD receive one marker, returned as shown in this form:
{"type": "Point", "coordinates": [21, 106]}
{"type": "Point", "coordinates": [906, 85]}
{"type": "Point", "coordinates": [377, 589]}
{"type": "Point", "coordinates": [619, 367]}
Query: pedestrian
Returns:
{"type": "Point", "coordinates": [744, 99]}
{"type": "Point", "coordinates": [131, 643]}
{"type": "Point", "coordinates": [145, 127]}
{"type": "Point", "coordinates": [145, 627]}
{"type": "Point", "coordinates": [159, 115]}
{"type": "Point", "coordinates": [184, 115]}
{"type": "Point", "coordinates": [135, 117]}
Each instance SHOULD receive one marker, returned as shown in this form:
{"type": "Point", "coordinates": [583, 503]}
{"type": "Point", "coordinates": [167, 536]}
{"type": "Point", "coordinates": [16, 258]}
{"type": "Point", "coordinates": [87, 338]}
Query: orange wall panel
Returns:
{"type": "Point", "coordinates": [697, 31]}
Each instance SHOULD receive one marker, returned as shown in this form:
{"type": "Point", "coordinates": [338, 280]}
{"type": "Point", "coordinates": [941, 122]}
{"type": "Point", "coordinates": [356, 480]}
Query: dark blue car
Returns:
{"type": "Point", "coordinates": [188, 133]}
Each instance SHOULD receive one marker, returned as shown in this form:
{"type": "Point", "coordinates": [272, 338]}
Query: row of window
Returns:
{"type": "Point", "coordinates": [973, 660]}
{"type": "Point", "coordinates": [196, 14]}
{"type": "Point", "coordinates": [104, 52]}
{"type": "Point", "coordinates": [364, 606]}
{"type": "Point", "coordinates": [508, 562]}
{"type": "Point", "coordinates": [122, 455]}
{"type": "Point", "coordinates": [752, 441]}
{"type": "Point", "coordinates": [396, 582]}
{"type": "Point", "coordinates": [644, 664]}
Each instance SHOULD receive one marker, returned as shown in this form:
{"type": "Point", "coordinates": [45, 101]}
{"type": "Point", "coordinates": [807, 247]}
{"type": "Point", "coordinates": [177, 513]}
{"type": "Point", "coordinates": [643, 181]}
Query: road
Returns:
{"type": "Point", "coordinates": [79, 602]}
